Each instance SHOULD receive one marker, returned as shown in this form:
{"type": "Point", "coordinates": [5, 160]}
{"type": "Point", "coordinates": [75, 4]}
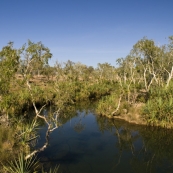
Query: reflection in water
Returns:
{"type": "Point", "coordinates": [87, 143]}
{"type": "Point", "coordinates": [79, 127]}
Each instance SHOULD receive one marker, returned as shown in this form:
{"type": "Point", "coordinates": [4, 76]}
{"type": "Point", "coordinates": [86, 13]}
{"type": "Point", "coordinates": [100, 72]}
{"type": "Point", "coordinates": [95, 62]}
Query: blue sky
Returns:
{"type": "Point", "coordinates": [86, 31]}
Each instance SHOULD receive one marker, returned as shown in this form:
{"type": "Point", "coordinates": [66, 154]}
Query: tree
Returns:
{"type": "Point", "coordinates": [9, 61]}
{"type": "Point", "coordinates": [148, 55]}
{"type": "Point", "coordinates": [105, 71]}
{"type": "Point", "coordinates": [35, 57]}
{"type": "Point", "coordinates": [168, 60]}
{"type": "Point", "coordinates": [34, 54]}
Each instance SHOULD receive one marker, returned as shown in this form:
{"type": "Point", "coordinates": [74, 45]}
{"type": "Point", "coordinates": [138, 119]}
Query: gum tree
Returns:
{"type": "Point", "coordinates": [147, 55]}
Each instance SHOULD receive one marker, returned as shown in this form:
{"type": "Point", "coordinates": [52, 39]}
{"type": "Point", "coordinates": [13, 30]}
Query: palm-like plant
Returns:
{"type": "Point", "coordinates": [20, 165]}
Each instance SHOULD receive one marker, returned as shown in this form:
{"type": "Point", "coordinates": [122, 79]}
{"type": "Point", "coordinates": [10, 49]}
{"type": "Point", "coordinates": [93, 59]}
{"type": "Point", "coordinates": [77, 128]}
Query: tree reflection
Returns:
{"type": "Point", "coordinates": [145, 149]}
{"type": "Point", "coordinates": [154, 153]}
{"type": "Point", "coordinates": [79, 127]}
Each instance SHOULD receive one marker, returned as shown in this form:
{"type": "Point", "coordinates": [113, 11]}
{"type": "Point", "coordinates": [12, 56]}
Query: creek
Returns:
{"type": "Point", "coordinates": [88, 143]}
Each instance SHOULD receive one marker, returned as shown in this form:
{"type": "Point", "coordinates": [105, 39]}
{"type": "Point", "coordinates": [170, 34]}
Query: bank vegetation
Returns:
{"type": "Point", "coordinates": [138, 89]}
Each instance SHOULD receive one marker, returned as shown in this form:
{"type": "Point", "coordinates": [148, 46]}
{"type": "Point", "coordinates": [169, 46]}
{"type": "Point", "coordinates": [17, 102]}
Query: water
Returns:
{"type": "Point", "coordinates": [87, 143]}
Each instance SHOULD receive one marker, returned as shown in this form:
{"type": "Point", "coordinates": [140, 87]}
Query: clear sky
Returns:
{"type": "Point", "coordinates": [86, 31]}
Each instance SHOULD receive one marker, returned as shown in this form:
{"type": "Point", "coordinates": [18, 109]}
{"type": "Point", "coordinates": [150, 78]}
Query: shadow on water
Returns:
{"type": "Point", "coordinates": [87, 143]}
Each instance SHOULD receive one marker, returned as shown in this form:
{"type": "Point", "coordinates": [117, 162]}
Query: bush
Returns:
{"type": "Point", "coordinates": [159, 107]}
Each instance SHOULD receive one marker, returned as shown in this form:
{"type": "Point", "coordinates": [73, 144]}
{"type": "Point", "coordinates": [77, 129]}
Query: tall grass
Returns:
{"type": "Point", "coordinates": [159, 107]}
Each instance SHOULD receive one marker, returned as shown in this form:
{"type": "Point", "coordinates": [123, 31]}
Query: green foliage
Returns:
{"type": "Point", "coordinates": [107, 105]}
{"type": "Point", "coordinates": [9, 60]}
{"type": "Point", "coordinates": [94, 90]}
{"type": "Point", "coordinates": [25, 133]}
{"type": "Point", "coordinates": [159, 107]}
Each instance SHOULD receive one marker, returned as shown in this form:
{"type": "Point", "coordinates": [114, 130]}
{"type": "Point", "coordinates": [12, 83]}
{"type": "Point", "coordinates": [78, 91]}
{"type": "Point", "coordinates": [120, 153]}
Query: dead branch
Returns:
{"type": "Point", "coordinates": [119, 102]}
{"type": "Point", "coordinates": [49, 130]}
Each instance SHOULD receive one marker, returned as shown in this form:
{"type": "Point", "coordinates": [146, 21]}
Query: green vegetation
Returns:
{"type": "Point", "coordinates": [144, 94]}
{"type": "Point", "coordinates": [138, 89]}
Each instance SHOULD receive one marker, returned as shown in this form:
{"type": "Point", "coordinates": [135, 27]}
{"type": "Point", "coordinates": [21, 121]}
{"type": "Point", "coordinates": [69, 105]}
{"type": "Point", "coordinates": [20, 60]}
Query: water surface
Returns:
{"type": "Point", "coordinates": [87, 143]}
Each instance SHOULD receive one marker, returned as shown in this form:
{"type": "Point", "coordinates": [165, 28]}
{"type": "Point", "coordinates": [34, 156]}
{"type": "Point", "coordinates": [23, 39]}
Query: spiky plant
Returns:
{"type": "Point", "coordinates": [21, 165]}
